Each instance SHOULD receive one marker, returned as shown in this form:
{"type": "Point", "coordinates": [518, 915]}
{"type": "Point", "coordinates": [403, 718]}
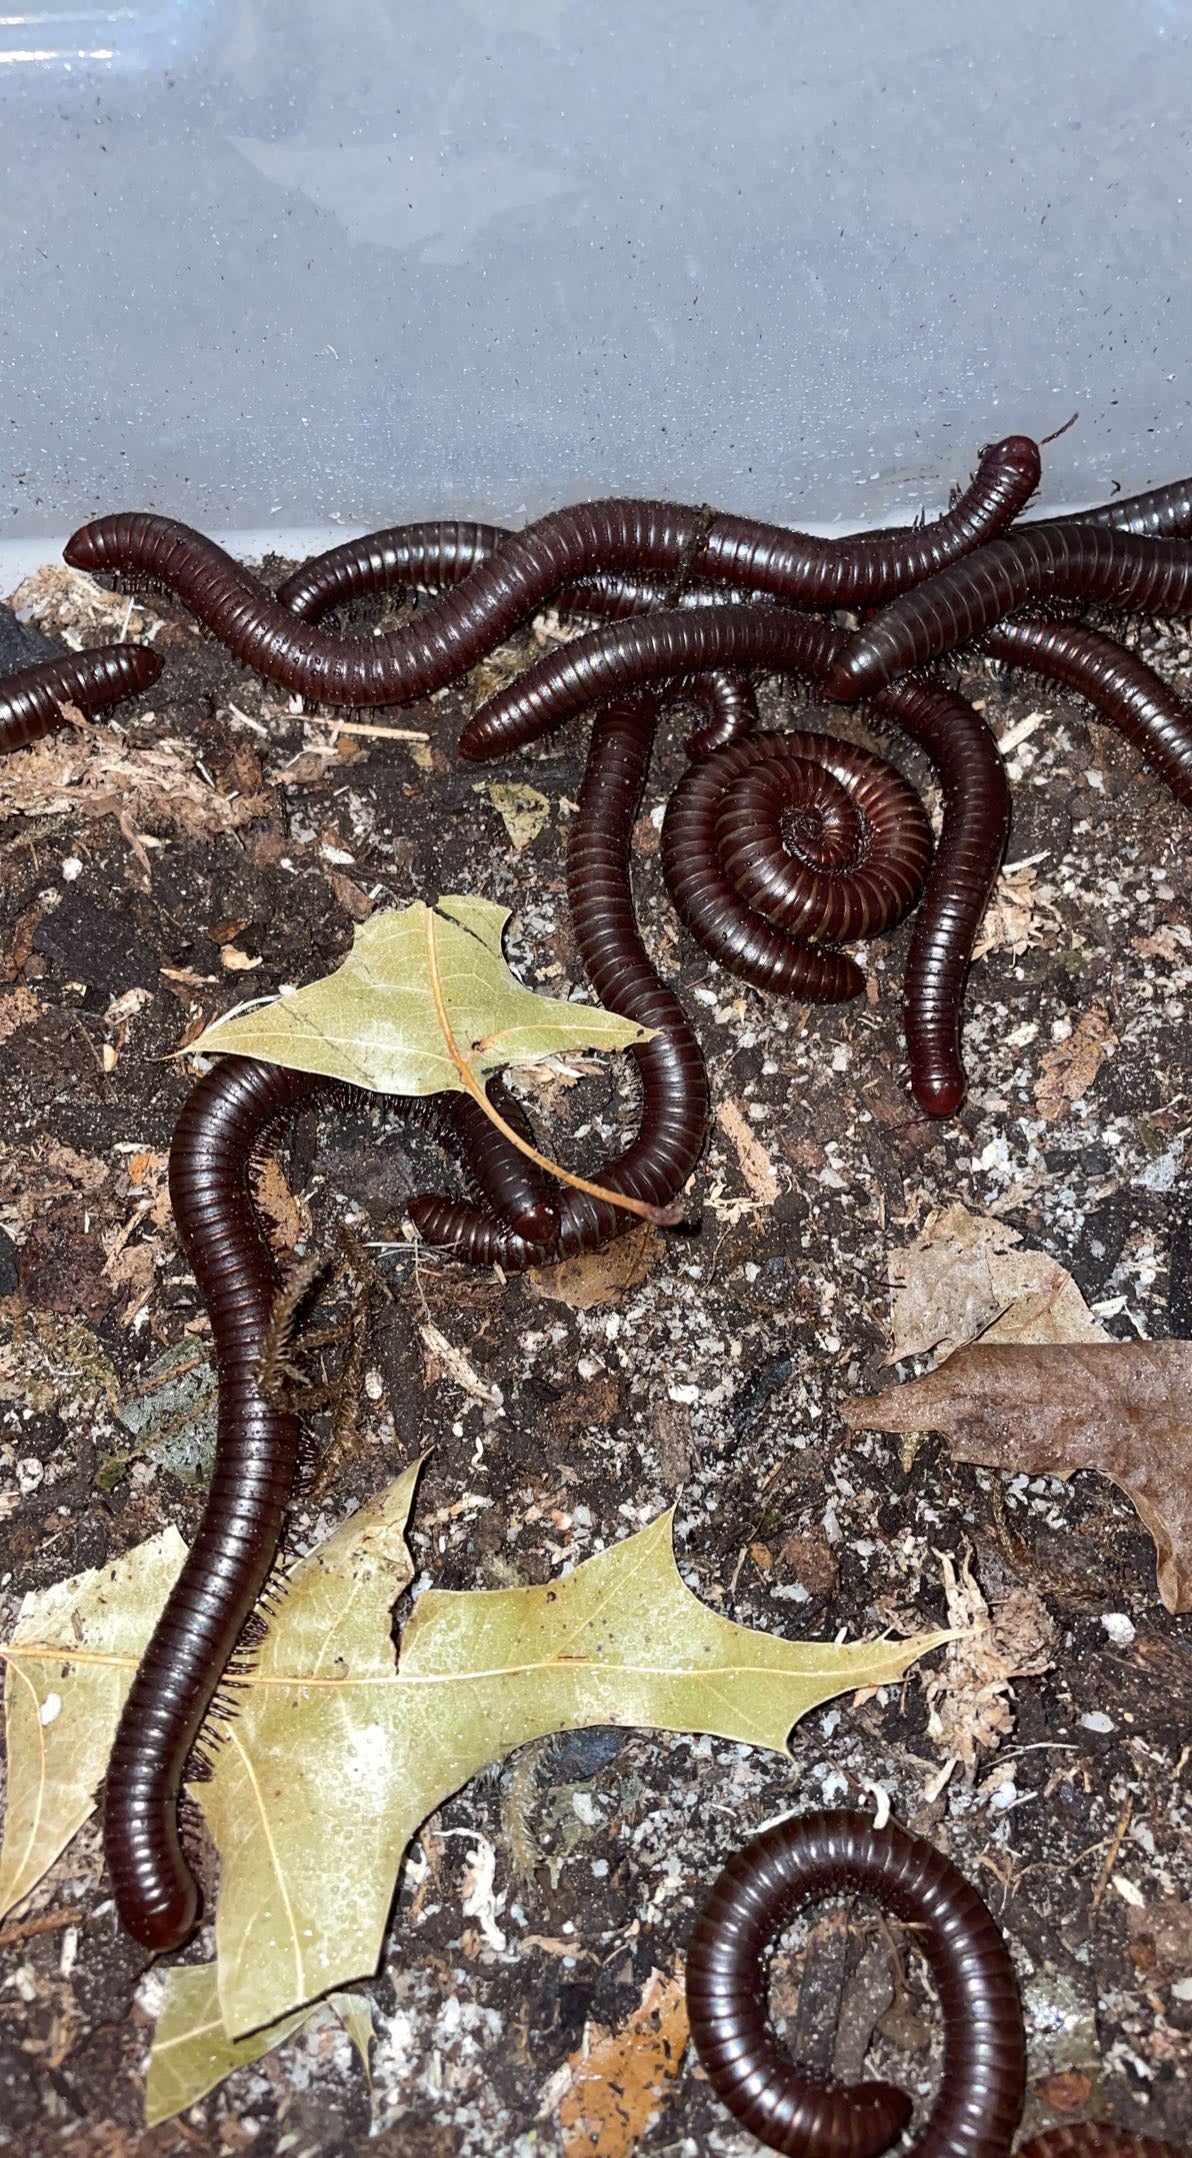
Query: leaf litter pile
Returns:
{"type": "Point", "coordinates": [553, 1774]}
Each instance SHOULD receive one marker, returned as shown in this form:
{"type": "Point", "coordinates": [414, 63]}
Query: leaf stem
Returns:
{"type": "Point", "coordinates": [661, 1217]}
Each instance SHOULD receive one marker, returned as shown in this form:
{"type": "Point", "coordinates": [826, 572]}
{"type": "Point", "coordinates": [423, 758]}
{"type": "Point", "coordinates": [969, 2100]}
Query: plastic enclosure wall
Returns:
{"type": "Point", "coordinates": [284, 264]}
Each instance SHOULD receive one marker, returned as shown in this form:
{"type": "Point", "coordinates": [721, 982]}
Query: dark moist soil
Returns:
{"type": "Point", "coordinates": [712, 1382]}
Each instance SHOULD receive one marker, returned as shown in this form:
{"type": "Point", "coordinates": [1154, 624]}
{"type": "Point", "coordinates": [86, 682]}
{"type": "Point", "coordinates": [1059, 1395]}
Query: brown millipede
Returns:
{"type": "Point", "coordinates": [1067, 561]}
{"type": "Point", "coordinates": [1121, 686]}
{"type": "Point", "coordinates": [670, 1067]}
{"type": "Point", "coordinates": [31, 700]}
{"type": "Point", "coordinates": [219, 1132]}
{"type": "Point", "coordinates": [462, 625]}
{"type": "Point", "coordinates": [219, 1135]}
{"type": "Point", "coordinates": [659, 647]}
{"type": "Point", "coordinates": [782, 843]}
{"type": "Point", "coordinates": [823, 1854]}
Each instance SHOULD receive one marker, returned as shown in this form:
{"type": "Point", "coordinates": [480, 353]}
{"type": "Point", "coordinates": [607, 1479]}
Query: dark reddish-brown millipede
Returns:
{"type": "Point", "coordinates": [674, 1092]}
{"type": "Point", "coordinates": [1160, 513]}
{"type": "Point", "coordinates": [673, 1111]}
{"type": "Point", "coordinates": [462, 625]}
{"type": "Point", "coordinates": [1121, 686]}
{"type": "Point", "coordinates": [218, 1137]}
{"type": "Point", "coordinates": [219, 1132]}
{"type": "Point", "coordinates": [826, 1854]}
{"type": "Point", "coordinates": [783, 843]}
{"type": "Point", "coordinates": [437, 555]}
{"type": "Point", "coordinates": [1082, 561]}
{"type": "Point", "coordinates": [31, 700]}
{"type": "Point", "coordinates": [636, 654]}
{"type": "Point", "coordinates": [812, 572]}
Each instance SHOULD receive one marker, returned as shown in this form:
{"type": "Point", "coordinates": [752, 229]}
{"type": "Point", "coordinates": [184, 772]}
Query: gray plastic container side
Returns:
{"type": "Point", "coordinates": [283, 266]}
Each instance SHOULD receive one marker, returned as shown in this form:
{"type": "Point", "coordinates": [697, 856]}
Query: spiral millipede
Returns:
{"type": "Point", "coordinates": [824, 1854]}
{"type": "Point", "coordinates": [786, 837]}
{"type": "Point", "coordinates": [977, 2107]}
{"type": "Point", "coordinates": [660, 647]}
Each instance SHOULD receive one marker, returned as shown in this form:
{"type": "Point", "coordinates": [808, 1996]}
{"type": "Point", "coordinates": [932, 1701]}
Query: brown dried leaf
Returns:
{"type": "Point", "coordinates": [619, 2079]}
{"type": "Point", "coordinates": [1119, 1407]}
{"type": "Point", "coordinates": [1067, 1072]}
{"type": "Point", "coordinates": [1020, 914]}
{"type": "Point", "coordinates": [965, 1273]}
{"type": "Point", "coordinates": [94, 774]}
{"type": "Point", "coordinates": [970, 1697]}
{"type": "Point", "coordinates": [756, 1165]}
{"type": "Point", "coordinates": [17, 1009]}
{"type": "Point", "coordinates": [598, 1277]}
{"type": "Point", "coordinates": [288, 1220]}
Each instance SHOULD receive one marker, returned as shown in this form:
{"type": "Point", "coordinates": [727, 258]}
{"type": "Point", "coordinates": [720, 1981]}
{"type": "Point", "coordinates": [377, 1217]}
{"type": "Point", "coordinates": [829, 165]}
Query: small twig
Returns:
{"type": "Point", "coordinates": [660, 1217]}
{"type": "Point", "coordinates": [390, 734]}
{"type": "Point", "coordinates": [49, 1922]}
{"type": "Point", "coordinates": [1111, 1855]}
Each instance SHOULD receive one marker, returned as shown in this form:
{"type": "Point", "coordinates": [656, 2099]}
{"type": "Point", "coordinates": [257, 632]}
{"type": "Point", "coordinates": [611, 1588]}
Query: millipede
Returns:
{"type": "Point", "coordinates": [670, 1066]}
{"type": "Point", "coordinates": [221, 1130]}
{"type": "Point", "coordinates": [218, 1136]}
{"type": "Point", "coordinates": [956, 605]}
{"type": "Point", "coordinates": [613, 662]}
{"type": "Point", "coordinates": [828, 1854]}
{"type": "Point", "coordinates": [32, 699]}
{"type": "Point", "coordinates": [459, 627]}
{"type": "Point", "coordinates": [1121, 686]}
{"type": "Point", "coordinates": [782, 839]}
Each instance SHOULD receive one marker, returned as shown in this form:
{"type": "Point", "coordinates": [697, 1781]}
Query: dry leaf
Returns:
{"type": "Point", "coordinates": [191, 2049]}
{"type": "Point", "coordinates": [598, 1277]}
{"type": "Point", "coordinates": [379, 1021]}
{"type": "Point", "coordinates": [93, 773]}
{"type": "Point", "coordinates": [970, 1697]}
{"type": "Point", "coordinates": [619, 2080]}
{"type": "Point", "coordinates": [1019, 916]}
{"type": "Point", "coordinates": [756, 1166]}
{"type": "Point", "coordinates": [192, 2052]}
{"type": "Point", "coordinates": [288, 1217]}
{"type": "Point", "coordinates": [334, 1756]}
{"type": "Point", "coordinates": [18, 1008]}
{"type": "Point", "coordinates": [453, 1364]}
{"type": "Point", "coordinates": [1067, 1072]}
{"type": "Point", "coordinates": [965, 1273]}
{"type": "Point", "coordinates": [61, 1705]}
{"type": "Point", "coordinates": [522, 810]}
{"type": "Point", "coordinates": [1122, 1408]}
